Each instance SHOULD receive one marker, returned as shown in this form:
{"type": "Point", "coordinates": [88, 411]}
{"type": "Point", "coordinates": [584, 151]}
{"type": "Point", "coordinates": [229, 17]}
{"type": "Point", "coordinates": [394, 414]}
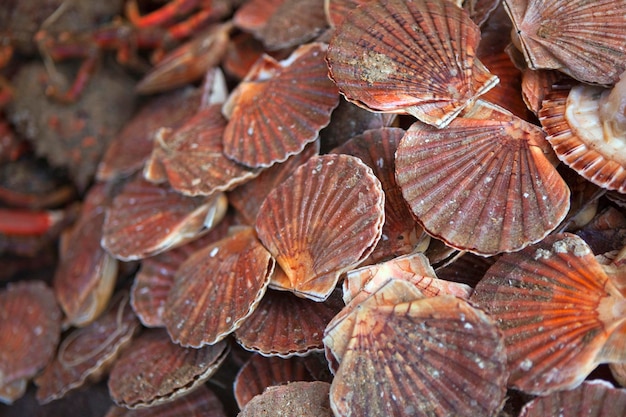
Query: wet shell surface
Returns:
{"type": "Point", "coordinates": [483, 185]}
{"type": "Point", "coordinates": [303, 399]}
{"type": "Point", "coordinates": [409, 57]}
{"type": "Point", "coordinates": [594, 398]}
{"type": "Point", "coordinates": [30, 328]}
{"type": "Point", "coordinates": [557, 310]}
{"type": "Point", "coordinates": [260, 132]}
{"type": "Point", "coordinates": [88, 352]}
{"type": "Point", "coordinates": [146, 219]}
{"type": "Point", "coordinates": [216, 288]}
{"type": "Point", "coordinates": [452, 353]}
{"type": "Point", "coordinates": [135, 381]}
{"type": "Point", "coordinates": [585, 40]}
{"type": "Point", "coordinates": [285, 325]}
{"type": "Point", "coordinates": [192, 159]}
{"type": "Point", "coordinates": [303, 220]}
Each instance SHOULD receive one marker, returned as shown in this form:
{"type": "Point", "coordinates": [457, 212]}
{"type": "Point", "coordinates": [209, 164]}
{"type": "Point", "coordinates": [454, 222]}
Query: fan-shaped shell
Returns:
{"type": "Point", "coordinates": [260, 132]}
{"type": "Point", "coordinates": [451, 353]}
{"type": "Point", "coordinates": [285, 325]}
{"type": "Point", "coordinates": [585, 40]}
{"type": "Point", "coordinates": [146, 219]}
{"type": "Point", "coordinates": [483, 184]}
{"type": "Point", "coordinates": [88, 352]}
{"type": "Point", "coordinates": [591, 399]}
{"type": "Point", "coordinates": [322, 221]}
{"type": "Point", "coordinates": [409, 57]}
{"type": "Point", "coordinates": [136, 382]}
{"type": "Point", "coordinates": [303, 399]}
{"type": "Point", "coordinates": [216, 289]}
{"type": "Point", "coordinates": [557, 310]}
{"type": "Point", "coordinates": [30, 327]}
{"type": "Point", "coordinates": [293, 23]}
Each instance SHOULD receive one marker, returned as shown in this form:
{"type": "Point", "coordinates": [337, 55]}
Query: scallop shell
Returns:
{"type": "Point", "coordinates": [451, 352]}
{"type": "Point", "coordinates": [242, 52]}
{"type": "Point", "coordinates": [557, 310]}
{"type": "Point", "coordinates": [377, 149]}
{"type": "Point", "coordinates": [618, 370]}
{"type": "Point", "coordinates": [582, 139]}
{"type": "Point", "coordinates": [337, 10]}
{"type": "Point", "coordinates": [260, 132]}
{"type": "Point", "coordinates": [322, 221]}
{"type": "Point", "coordinates": [293, 23]}
{"type": "Point", "coordinates": [135, 381]}
{"type": "Point", "coordinates": [285, 325]}
{"type": "Point", "coordinates": [216, 288]}
{"type": "Point", "coordinates": [467, 269]}
{"type": "Point", "coordinates": [483, 184]}
{"type": "Point", "coordinates": [30, 327]}
{"type": "Point", "coordinates": [409, 57]}
{"type": "Point", "coordinates": [253, 15]}
{"type": "Point", "coordinates": [146, 219]}
{"type": "Point", "coordinates": [303, 399]}
{"type": "Point", "coordinates": [591, 399]}
{"type": "Point", "coordinates": [201, 402]}
{"type": "Point", "coordinates": [584, 40]}
{"type": "Point", "coordinates": [88, 352]}
{"type": "Point", "coordinates": [191, 157]}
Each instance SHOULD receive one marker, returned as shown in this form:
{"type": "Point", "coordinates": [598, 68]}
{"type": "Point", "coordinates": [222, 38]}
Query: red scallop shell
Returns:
{"type": "Point", "coordinates": [483, 185]}
{"type": "Point", "coordinates": [557, 310]}
{"type": "Point", "coordinates": [216, 288]}
{"type": "Point", "coordinates": [303, 220]}
{"type": "Point", "coordinates": [260, 132]}
{"type": "Point", "coordinates": [409, 57]}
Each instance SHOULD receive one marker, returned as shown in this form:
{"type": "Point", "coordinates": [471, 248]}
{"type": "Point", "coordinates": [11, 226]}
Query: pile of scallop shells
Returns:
{"type": "Point", "coordinates": [397, 209]}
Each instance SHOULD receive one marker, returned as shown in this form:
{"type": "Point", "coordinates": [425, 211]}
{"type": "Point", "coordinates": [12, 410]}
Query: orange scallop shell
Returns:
{"type": "Point", "coordinates": [322, 221]}
{"type": "Point", "coordinates": [216, 288]}
{"type": "Point", "coordinates": [483, 184]}
{"type": "Point", "coordinates": [409, 57]}
{"type": "Point", "coordinates": [557, 310]}
{"type": "Point", "coordinates": [260, 132]}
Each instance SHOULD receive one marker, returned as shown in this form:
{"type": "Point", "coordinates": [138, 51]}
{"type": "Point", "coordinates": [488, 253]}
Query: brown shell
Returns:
{"type": "Point", "coordinates": [584, 40]}
{"type": "Point", "coordinates": [146, 219]}
{"type": "Point", "coordinates": [293, 23]}
{"type": "Point", "coordinates": [216, 288]}
{"type": "Point", "coordinates": [483, 184]}
{"type": "Point", "coordinates": [201, 402]}
{"type": "Point", "coordinates": [467, 269]}
{"type": "Point", "coordinates": [260, 132]}
{"type": "Point", "coordinates": [557, 310]}
{"type": "Point", "coordinates": [451, 352]}
{"type": "Point", "coordinates": [594, 398]}
{"type": "Point", "coordinates": [285, 325]}
{"type": "Point", "coordinates": [377, 149]}
{"type": "Point", "coordinates": [337, 10]}
{"type": "Point", "coordinates": [191, 157]}
{"type": "Point", "coordinates": [30, 327]}
{"type": "Point", "coordinates": [302, 220]}
{"type": "Point", "coordinates": [86, 274]}
{"type": "Point", "coordinates": [618, 370]}
{"type": "Point", "coordinates": [303, 399]}
{"type": "Point", "coordinates": [409, 57]}
{"type": "Point", "coordinates": [581, 139]}
{"type": "Point", "coordinates": [88, 352]}
{"type": "Point", "coordinates": [135, 381]}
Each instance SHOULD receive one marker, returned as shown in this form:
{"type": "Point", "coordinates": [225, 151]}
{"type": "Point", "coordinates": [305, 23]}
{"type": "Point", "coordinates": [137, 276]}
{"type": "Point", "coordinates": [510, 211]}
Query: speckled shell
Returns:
{"type": "Point", "coordinates": [146, 219]}
{"type": "Point", "coordinates": [201, 402]}
{"type": "Point", "coordinates": [191, 157]}
{"type": "Point", "coordinates": [260, 132]}
{"type": "Point", "coordinates": [302, 222]}
{"type": "Point", "coordinates": [572, 122]}
{"type": "Point", "coordinates": [293, 23]}
{"type": "Point", "coordinates": [585, 40]}
{"type": "Point", "coordinates": [30, 327]}
{"type": "Point", "coordinates": [483, 184]}
{"type": "Point", "coordinates": [285, 325]}
{"type": "Point", "coordinates": [451, 352]}
{"type": "Point", "coordinates": [88, 352]}
{"type": "Point", "coordinates": [216, 288]}
{"type": "Point", "coordinates": [136, 381]}
{"type": "Point", "coordinates": [303, 399]}
{"type": "Point", "coordinates": [557, 310]}
{"type": "Point", "coordinates": [377, 149]}
{"type": "Point", "coordinates": [594, 398]}
{"type": "Point", "coordinates": [409, 57]}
